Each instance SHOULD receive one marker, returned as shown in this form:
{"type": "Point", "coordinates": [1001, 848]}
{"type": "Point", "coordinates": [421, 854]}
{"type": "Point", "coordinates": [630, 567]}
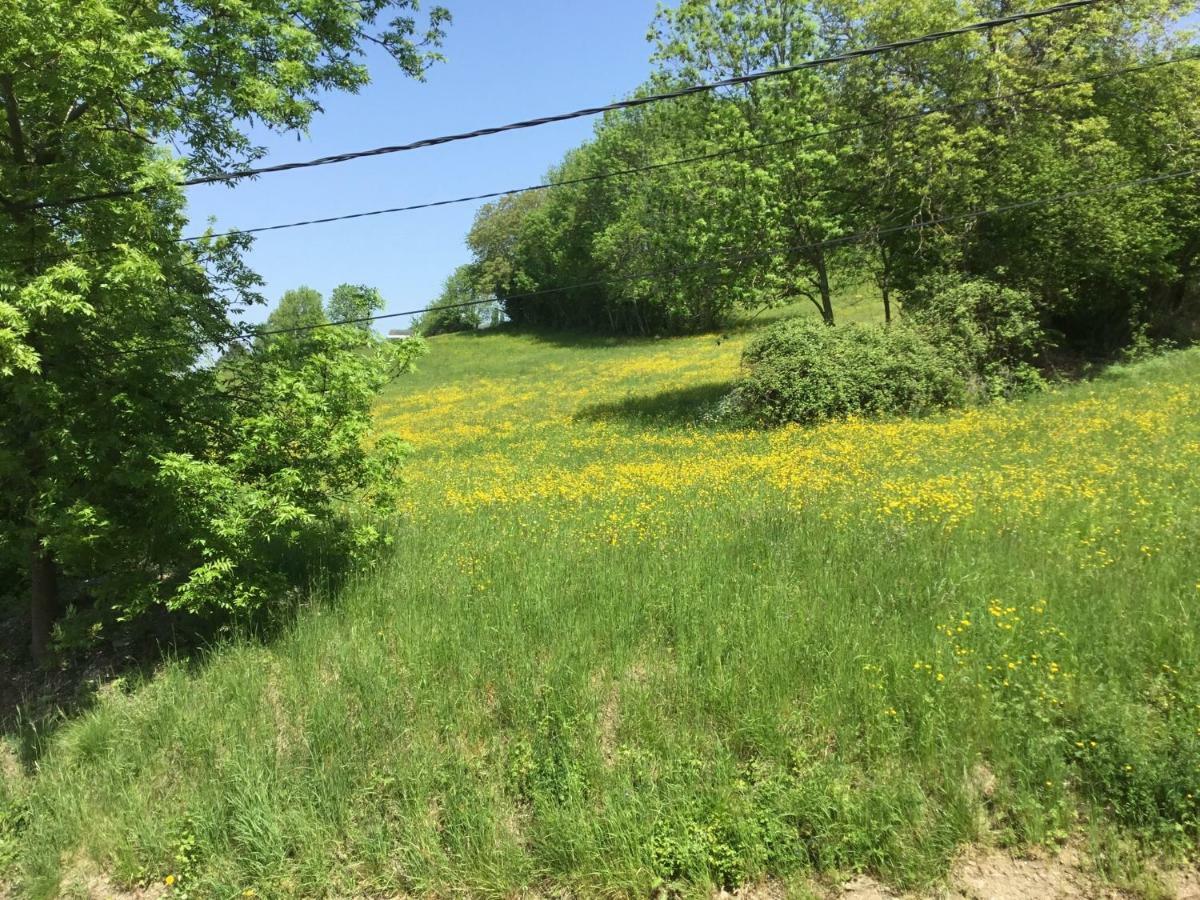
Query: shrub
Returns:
{"type": "Point", "coordinates": [461, 306]}
{"type": "Point", "coordinates": [991, 329]}
{"type": "Point", "coordinates": [291, 480]}
{"type": "Point", "coordinates": [804, 371]}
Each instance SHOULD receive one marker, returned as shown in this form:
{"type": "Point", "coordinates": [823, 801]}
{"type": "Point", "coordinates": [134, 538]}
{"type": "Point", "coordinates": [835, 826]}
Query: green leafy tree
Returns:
{"type": "Point", "coordinates": [676, 225]}
{"type": "Point", "coordinates": [299, 308]}
{"type": "Point", "coordinates": [460, 307]}
{"type": "Point", "coordinates": [577, 249]}
{"type": "Point", "coordinates": [1091, 260]}
{"type": "Point", "coordinates": [351, 302]}
{"type": "Point", "coordinates": [509, 251]}
{"type": "Point", "coordinates": [792, 166]}
{"type": "Point", "coordinates": [289, 475]}
{"type": "Point", "coordinates": [799, 183]}
{"type": "Point", "coordinates": [106, 319]}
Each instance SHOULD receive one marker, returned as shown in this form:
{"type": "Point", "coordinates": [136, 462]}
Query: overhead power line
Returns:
{"type": "Point", "coordinates": [704, 157]}
{"type": "Point", "coordinates": [654, 167]}
{"type": "Point", "coordinates": [660, 274]}
{"type": "Point", "coordinates": [630, 103]}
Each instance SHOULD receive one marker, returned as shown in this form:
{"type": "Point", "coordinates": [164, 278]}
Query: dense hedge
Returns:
{"type": "Point", "coordinates": [961, 340]}
{"type": "Point", "coordinates": [992, 331]}
{"type": "Point", "coordinates": [804, 371]}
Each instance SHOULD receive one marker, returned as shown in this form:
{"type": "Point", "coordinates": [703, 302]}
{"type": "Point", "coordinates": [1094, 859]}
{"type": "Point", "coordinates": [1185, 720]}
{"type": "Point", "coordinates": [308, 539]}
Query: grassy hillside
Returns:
{"type": "Point", "coordinates": [617, 648]}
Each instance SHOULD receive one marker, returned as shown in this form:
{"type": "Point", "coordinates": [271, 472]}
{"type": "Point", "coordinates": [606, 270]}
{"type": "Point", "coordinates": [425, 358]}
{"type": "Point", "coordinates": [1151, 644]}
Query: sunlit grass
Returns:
{"type": "Point", "coordinates": [618, 647]}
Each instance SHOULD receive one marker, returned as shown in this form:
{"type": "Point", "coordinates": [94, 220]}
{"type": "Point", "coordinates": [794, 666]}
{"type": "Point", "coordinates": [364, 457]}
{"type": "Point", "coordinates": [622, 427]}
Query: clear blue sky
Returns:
{"type": "Point", "coordinates": [504, 61]}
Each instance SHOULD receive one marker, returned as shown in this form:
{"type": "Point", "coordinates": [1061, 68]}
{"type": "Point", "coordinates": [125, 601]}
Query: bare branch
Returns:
{"type": "Point", "coordinates": [812, 298]}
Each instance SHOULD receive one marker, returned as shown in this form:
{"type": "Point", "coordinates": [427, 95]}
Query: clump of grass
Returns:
{"type": "Point", "coordinates": [618, 652]}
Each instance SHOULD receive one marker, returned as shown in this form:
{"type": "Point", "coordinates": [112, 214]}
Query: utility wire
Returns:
{"type": "Point", "coordinates": [705, 157]}
{"type": "Point", "coordinates": [839, 241]}
{"type": "Point", "coordinates": [629, 103]}
{"type": "Point", "coordinates": [668, 164]}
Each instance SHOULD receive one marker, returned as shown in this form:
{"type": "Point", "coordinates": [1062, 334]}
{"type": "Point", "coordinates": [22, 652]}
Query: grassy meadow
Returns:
{"type": "Point", "coordinates": [617, 647]}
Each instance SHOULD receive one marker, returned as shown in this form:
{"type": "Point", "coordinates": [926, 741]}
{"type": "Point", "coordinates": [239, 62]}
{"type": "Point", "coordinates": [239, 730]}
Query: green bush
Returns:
{"type": "Point", "coordinates": [461, 307]}
{"type": "Point", "coordinates": [991, 329]}
{"type": "Point", "coordinates": [804, 371]}
{"type": "Point", "coordinates": [290, 481]}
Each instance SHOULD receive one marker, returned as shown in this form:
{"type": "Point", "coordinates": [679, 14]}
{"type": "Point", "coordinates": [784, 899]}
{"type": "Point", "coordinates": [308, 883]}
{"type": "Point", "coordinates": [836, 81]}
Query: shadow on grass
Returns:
{"type": "Point", "coordinates": [679, 406]}
{"type": "Point", "coordinates": [37, 700]}
{"type": "Point", "coordinates": [573, 339]}
{"type": "Point", "coordinates": [853, 306]}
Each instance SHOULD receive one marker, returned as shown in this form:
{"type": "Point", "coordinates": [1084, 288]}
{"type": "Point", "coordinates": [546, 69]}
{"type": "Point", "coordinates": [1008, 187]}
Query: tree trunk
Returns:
{"type": "Point", "coordinates": [43, 573]}
{"type": "Point", "coordinates": [1185, 265]}
{"type": "Point", "coordinates": [823, 285]}
{"type": "Point", "coordinates": [885, 283]}
{"type": "Point", "coordinates": [43, 570]}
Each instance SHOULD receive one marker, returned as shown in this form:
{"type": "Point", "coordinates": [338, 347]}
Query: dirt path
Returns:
{"type": "Point", "coordinates": [980, 875]}
{"type": "Point", "coordinates": [992, 875]}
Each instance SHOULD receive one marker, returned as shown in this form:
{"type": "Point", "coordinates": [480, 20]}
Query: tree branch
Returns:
{"type": "Point", "coordinates": [126, 129]}
{"type": "Point", "coordinates": [15, 138]}
{"type": "Point", "coordinates": [76, 111]}
{"type": "Point", "coordinates": [812, 298]}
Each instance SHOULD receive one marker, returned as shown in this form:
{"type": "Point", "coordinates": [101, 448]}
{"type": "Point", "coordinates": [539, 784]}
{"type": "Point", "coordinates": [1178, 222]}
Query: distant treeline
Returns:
{"type": "Point", "coordinates": [924, 137]}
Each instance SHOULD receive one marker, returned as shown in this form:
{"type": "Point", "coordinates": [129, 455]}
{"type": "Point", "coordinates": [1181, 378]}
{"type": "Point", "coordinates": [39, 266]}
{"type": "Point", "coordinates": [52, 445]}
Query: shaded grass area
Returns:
{"type": "Point", "coordinates": [35, 702]}
{"type": "Point", "coordinates": [614, 651]}
{"type": "Point", "coordinates": [679, 406]}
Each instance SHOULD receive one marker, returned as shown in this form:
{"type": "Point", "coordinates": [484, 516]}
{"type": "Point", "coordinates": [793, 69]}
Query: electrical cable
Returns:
{"type": "Point", "coordinates": [630, 103]}
{"type": "Point", "coordinates": [841, 240]}
{"type": "Point", "coordinates": [653, 167]}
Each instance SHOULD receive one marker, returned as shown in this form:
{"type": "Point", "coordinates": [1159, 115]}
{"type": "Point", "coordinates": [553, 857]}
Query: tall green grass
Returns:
{"type": "Point", "coordinates": [615, 648]}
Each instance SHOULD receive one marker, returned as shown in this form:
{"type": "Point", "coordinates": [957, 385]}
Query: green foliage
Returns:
{"type": "Point", "coordinates": [107, 319]}
{"type": "Point", "coordinates": [959, 337]}
{"type": "Point", "coordinates": [804, 371]}
{"type": "Point", "coordinates": [993, 330]}
{"type": "Point", "coordinates": [11, 818]}
{"type": "Point", "coordinates": [782, 170]}
{"type": "Point", "coordinates": [1142, 346]}
{"type": "Point", "coordinates": [291, 479]}
{"type": "Point", "coordinates": [14, 352]}
{"type": "Point", "coordinates": [349, 302]}
{"type": "Point", "coordinates": [1143, 769]}
{"type": "Point", "coordinates": [460, 307]}
{"type": "Point", "coordinates": [14, 786]}
{"type": "Point", "coordinates": [544, 768]}
{"type": "Point", "coordinates": [299, 308]}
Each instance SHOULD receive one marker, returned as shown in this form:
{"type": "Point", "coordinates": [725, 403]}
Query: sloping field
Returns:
{"type": "Point", "coordinates": [617, 649]}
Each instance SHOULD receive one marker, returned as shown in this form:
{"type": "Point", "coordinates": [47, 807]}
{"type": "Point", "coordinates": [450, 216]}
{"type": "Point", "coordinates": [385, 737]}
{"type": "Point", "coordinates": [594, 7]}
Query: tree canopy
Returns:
{"type": "Point", "coordinates": [900, 152]}
{"type": "Point", "coordinates": [352, 302]}
{"type": "Point", "coordinates": [462, 306]}
{"type": "Point", "coordinates": [113, 419]}
{"type": "Point", "coordinates": [298, 308]}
